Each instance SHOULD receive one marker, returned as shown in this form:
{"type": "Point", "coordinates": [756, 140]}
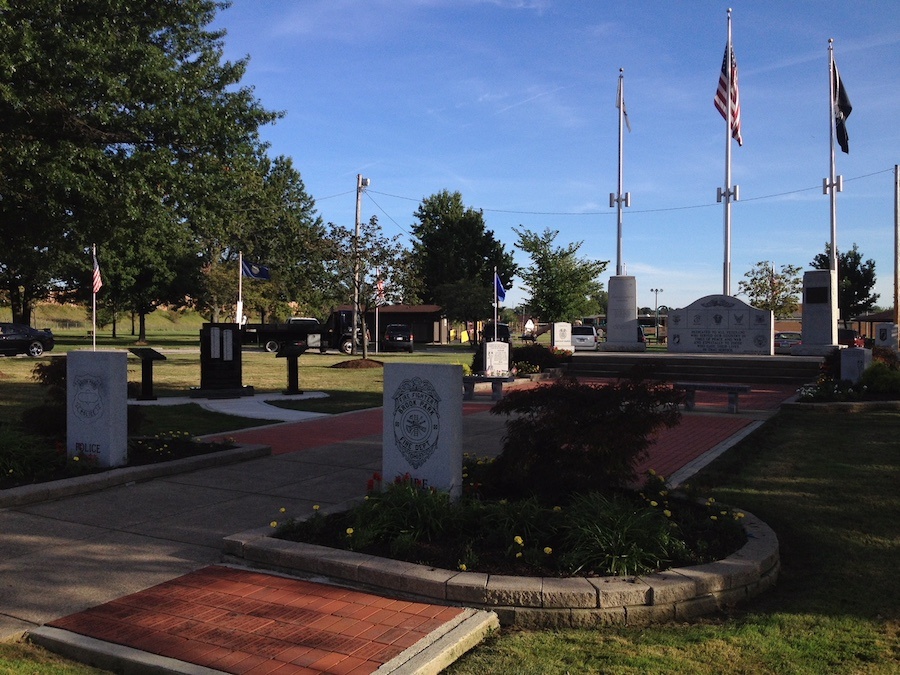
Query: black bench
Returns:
{"type": "Point", "coordinates": [529, 337]}
{"type": "Point", "coordinates": [469, 382]}
{"type": "Point", "coordinates": [690, 389]}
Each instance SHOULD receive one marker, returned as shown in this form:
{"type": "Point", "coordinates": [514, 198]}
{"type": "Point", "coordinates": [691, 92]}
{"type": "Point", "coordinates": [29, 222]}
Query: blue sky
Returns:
{"type": "Point", "coordinates": [512, 103]}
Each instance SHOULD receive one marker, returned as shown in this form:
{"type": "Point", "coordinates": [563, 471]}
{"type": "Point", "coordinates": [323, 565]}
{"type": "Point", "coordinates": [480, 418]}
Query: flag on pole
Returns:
{"type": "Point", "coordinates": [721, 99]}
{"type": "Point", "coordinates": [842, 109]}
{"type": "Point", "coordinates": [620, 105]}
{"type": "Point", "coordinates": [254, 271]}
{"type": "Point", "coordinates": [97, 281]}
{"type": "Point", "coordinates": [498, 287]}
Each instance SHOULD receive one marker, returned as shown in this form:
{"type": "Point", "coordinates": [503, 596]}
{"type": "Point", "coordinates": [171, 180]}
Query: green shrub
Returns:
{"type": "Point", "coordinates": [880, 380]}
{"type": "Point", "coordinates": [573, 437]}
{"type": "Point", "coordinates": [24, 457]}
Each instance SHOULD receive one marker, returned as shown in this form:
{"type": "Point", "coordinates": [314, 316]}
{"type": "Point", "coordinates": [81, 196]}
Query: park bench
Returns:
{"type": "Point", "coordinates": [528, 337]}
{"type": "Point", "coordinates": [469, 382]}
{"type": "Point", "coordinates": [690, 389]}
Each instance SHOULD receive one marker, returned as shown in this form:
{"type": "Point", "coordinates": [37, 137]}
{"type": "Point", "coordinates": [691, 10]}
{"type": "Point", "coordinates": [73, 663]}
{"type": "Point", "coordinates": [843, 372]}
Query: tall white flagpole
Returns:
{"type": "Point", "coordinates": [834, 183]}
{"type": "Point", "coordinates": [239, 310]}
{"type": "Point", "coordinates": [729, 193]}
{"type": "Point", "coordinates": [94, 299]}
{"type": "Point", "coordinates": [496, 303]}
{"type": "Point", "coordinates": [621, 198]}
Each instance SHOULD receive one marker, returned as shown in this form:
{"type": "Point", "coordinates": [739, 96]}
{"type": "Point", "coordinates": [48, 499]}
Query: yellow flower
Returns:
{"type": "Point", "coordinates": [519, 554]}
{"type": "Point", "coordinates": [713, 517]}
{"type": "Point", "coordinates": [652, 472]}
{"type": "Point", "coordinates": [557, 508]}
{"type": "Point", "coordinates": [738, 515]}
{"type": "Point", "coordinates": [548, 550]}
{"type": "Point", "coordinates": [654, 504]}
{"type": "Point", "coordinates": [519, 540]}
{"type": "Point", "coordinates": [667, 513]}
{"type": "Point", "coordinates": [274, 523]}
{"type": "Point", "coordinates": [282, 510]}
{"type": "Point", "coordinates": [349, 531]}
{"type": "Point", "coordinates": [462, 567]}
{"type": "Point", "coordinates": [316, 507]}
{"type": "Point", "coordinates": [76, 458]}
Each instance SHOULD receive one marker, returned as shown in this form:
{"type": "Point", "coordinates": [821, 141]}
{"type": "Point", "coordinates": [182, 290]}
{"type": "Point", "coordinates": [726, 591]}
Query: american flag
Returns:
{"type": "Point", "coordinates": [97, 280]}
{"type": "Point", "coordinates": [722, 95]}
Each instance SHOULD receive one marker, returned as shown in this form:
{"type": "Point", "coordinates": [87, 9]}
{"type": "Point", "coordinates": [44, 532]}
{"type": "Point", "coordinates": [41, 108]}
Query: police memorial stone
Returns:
{"type": "Point", "coordinates": [97, 408]}
{"type": "Point", "coordinates": [423, 425]}
{"type": "Point", "coordinates": [720, 324]}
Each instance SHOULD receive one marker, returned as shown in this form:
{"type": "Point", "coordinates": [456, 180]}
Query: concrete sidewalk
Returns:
{"type": "Point", "coordinates": [160, 541]}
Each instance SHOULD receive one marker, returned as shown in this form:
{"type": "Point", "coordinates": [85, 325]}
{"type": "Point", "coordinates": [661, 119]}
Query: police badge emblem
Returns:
{"type": "Point", "coordinates": [417, 420]}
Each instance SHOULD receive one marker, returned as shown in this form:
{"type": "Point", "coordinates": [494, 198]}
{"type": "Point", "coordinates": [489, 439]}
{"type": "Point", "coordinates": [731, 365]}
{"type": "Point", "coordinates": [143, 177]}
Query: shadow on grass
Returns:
{"type": "Point", "coordinates": [829, 485]}
{"type": "Point", "coordinates": [337, 402]}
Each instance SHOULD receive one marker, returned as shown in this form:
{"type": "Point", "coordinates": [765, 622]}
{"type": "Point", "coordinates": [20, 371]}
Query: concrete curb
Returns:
{"type": "Point", "coordinates": [57, 489]}
{"type": "Point", "coordinates": [109, 656]}
{"type": "Point", "coordinates": [534, 602]}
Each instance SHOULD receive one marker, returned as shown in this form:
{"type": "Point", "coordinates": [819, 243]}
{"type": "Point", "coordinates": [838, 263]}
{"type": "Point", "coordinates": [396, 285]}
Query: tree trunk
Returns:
{"type": "Point", "coordinates": [142, 331]}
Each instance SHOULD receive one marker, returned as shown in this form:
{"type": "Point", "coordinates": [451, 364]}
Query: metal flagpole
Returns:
{"type": "Point", "coordinates": [728, 194]}
{"type": "Point", "coordinates": [239, 310]}
{"type": "Point", "coordinates": [896, 244]}
{"type": "Point", "coordinates": [496, 303]}
{"type": "Point", "coordinates": [834, 183]}
{"type": "Point", "coordinates": [94, 300]}
{"type": "Point", "coordinates": [620, 199]}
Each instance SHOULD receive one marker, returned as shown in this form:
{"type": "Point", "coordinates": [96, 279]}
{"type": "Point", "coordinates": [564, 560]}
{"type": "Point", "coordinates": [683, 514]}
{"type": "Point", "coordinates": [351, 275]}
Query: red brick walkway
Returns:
{"type": "Point", "coordinates": [249, 623]}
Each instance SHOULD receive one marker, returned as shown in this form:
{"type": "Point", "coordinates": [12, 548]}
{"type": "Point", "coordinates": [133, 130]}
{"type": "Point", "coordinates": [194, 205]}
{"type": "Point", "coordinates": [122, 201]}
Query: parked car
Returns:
{"type": "Point", "coordinates": [398, 336]}
{"type": "Point", "coordinates": [585, 337]}
{"type": "Point", "coordinates": [784, 342]}
{"type": "Point", "coordinates": [16, 338]}
{"type": "Point", "coordinates": [850, 338]}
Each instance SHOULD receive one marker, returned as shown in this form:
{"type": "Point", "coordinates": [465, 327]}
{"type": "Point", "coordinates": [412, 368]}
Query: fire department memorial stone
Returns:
{"type": "Point", "coordinates": [423, 424]}
{"type": "Point", "coordinates": [97, 407]}
{"type": "Point", "coordinates": [720, 324]}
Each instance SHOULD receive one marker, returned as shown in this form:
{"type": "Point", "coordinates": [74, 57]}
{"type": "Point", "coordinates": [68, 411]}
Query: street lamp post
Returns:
{"type": "Point", "coordinates": [656, 292]}
{"type": "Point", "coordinates": [361, 185]}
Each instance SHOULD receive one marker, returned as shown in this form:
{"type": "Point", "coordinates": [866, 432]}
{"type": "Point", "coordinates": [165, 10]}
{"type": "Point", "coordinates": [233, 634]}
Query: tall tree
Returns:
{"type": "Point", "coordinates": [106, 106]}
{"type": "Point", "coordinates": [563, 286]}
{"type": "Point", "coordinates": [778, 291]}
{"type": "Point", "coordinates": [382, 263]}
{"type": "Point", "coordinates": [455, 255]}
{"type": "Point", "coordinates": [856, 281]}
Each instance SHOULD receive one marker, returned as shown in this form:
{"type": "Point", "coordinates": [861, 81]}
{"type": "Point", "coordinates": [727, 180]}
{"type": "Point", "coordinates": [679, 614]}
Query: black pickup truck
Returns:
{"type": "Point", "coordinates": [334, 334]}
{"type": "Point", "coordinates": [273, 336]}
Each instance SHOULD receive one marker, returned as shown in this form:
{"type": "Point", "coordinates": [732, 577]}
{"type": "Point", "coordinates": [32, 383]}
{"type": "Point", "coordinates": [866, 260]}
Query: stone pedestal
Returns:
{"type": "Point", "coordinates": [854, 360]}
{"type": "Point", "coordinates": [97, 408]}
{"type": "Point", "coordinates": [820, 314]}
{"type": "Point", "coordinates": [496, 358]}
{"type": "Point", "coordinates": [886, 335]}
{"type": "Point", "coordinates": [621, 317]}
{"type": "Point", "coordinates": [423, 425]}
{"type": "Point", "coordinates": [561, 335]}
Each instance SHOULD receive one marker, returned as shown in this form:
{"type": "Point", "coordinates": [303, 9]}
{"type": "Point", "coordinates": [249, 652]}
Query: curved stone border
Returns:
{"type": "Point", "coordinates": [534, 602]}
{"type": "Point", "coordinates": [67, 487]}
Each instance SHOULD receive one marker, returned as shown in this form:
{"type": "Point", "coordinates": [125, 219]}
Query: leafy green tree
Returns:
{"type": "Point", "coordinates": [383, 265]}
{"type": "Point", "coordinates": [856, 281]}
{"type": "Point", "coordinates": [455, 255]}
{"type": "Point", "coordinates": [107, 107]}
{"type": "Point", "coordinates": [769, 289]}
{"type": "Point", "coordinates": [563, 286]}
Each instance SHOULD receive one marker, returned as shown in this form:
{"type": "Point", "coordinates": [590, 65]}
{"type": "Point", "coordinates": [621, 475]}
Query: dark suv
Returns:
{"type": "Point", "coordinates": [16, 338]}
{"type": "Point", "coordinates": [398, 336]}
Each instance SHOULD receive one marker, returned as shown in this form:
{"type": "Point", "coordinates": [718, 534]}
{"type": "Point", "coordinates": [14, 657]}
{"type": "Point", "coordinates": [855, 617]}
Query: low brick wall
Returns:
{"type": "Point", "coordinates": [534, 602]}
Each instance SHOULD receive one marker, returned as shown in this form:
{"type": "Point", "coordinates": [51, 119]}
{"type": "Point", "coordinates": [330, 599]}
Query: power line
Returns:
{"type": "Point", "coordinates": [660, 210]}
